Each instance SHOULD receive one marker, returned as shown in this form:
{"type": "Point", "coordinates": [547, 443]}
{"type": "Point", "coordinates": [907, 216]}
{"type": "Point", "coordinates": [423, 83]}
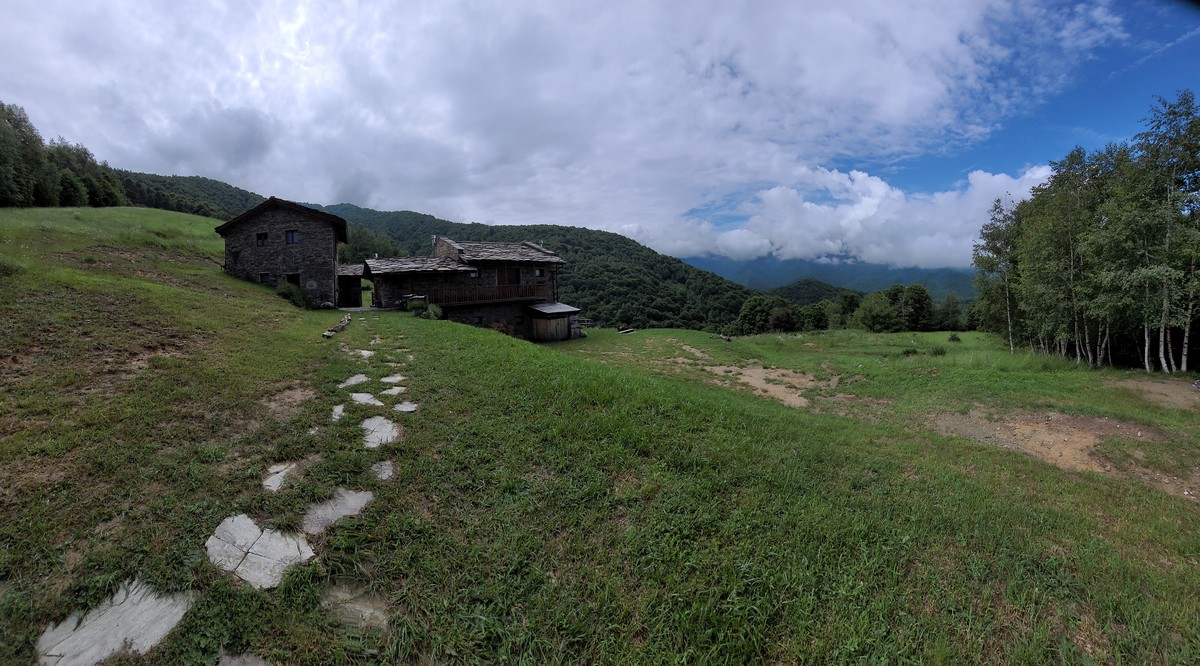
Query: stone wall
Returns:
{"type": "Point", "coordinates": [313, 259]}
{"type": "Point", "coordinates": [510, 318]}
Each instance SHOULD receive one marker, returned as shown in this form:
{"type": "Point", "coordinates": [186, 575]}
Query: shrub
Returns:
{"type": "Point", "coordinates": [937, 351]}
{"type": "Point", "coordinates": [954, 338]}
{"type": "Point", "coordinates": [910, 352]}
{"type": "Point", "coordinates": [432, 312]}
{"type": "Point", "coordinates": [293, 293]}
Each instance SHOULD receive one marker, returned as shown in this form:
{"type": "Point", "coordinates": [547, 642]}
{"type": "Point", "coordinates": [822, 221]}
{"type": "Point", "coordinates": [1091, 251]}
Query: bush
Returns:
{"type": "Point", "coordinates": [910, 352]}
{"type": "Point", "coordinates": [293, 293]}
{"type": "Point", "coordinates": [432, 312]}
{"type": "Point", "coordinates": [954, 338]}
{"type": "Point", "coordinates": [937, 351]}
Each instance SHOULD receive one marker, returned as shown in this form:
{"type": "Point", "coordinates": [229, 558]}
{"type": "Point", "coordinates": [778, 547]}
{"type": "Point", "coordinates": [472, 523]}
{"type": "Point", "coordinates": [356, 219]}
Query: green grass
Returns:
{"type": "Point", "coordinates": [591, 501]}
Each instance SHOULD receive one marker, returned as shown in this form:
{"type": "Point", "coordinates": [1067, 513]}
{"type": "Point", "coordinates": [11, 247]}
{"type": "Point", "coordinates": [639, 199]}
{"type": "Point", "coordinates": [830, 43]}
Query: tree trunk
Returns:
{"type": "Point", "coordinates": [1162, 332]}
{"type": "Point", "coordinates": [1146, 346]}
{"type": "Point", "coordinates": [1008, 314]}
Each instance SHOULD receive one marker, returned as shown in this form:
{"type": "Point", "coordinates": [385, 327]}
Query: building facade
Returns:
{"type": "Point", "coordinates": [281, 241]}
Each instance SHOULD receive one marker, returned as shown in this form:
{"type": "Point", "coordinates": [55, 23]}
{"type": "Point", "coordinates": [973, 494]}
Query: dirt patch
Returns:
{"type": "Point", "coordinates": [1169, 393]}
{"type": "Point", "coordinates": [287, 403]}
{"type": "Point", "coordinates": [777, 383]}
{"type": "Point", "coordinates": [695, 352]}
{"type": "Point", "coordinates": [1065, 441]}
{"type": "Point", "coordinates": [141, 360]}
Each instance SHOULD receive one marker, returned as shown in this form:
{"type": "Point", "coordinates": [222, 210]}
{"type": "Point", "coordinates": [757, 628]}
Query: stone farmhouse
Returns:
{"type": "Point", "coordinates": [281, 241]}
{"type": "Point", "coordinates": [510, 287]}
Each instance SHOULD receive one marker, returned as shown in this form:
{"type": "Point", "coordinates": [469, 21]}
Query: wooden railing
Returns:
{"type": "Point", "coordinates": [488, 294]}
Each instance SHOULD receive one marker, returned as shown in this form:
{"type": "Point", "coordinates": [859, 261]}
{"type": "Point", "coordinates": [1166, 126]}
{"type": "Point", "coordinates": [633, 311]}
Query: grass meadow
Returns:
{"type": "Point", "coordinates": [605, 500]}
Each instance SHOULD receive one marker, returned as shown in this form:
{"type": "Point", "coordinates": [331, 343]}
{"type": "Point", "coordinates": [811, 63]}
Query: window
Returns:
{"type": "Point", "coordinates": [539, 272]}
{"type": "Point", "coordinates": [260, 239]}
{"type": "Point", "coordinates": [264, 277]}
{"type": "Point", "coordinates": [473, 274]}
{"type": "Point", "coordinates": [235, 254]}
{"type": "Point", "coordinates": [292, 236]}
{"type": "Point", "coordinates": [294, 278]}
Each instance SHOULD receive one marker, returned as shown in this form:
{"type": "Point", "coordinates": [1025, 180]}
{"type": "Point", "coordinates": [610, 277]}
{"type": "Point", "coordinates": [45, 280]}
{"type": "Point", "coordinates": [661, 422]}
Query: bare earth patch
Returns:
{"type": "Point", "coordinates": [777, 383]}
{"type": "Point", "coordinates": [1065, 441]}
{"type": "Point", "coordinates": [286, 404]}
{"type": "Point", "coordinates": [1169, 393]}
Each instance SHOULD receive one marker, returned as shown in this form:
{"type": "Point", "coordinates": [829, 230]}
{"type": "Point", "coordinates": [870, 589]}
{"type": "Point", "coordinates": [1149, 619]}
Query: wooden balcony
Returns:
{"type": "Point", "coordinates": [488, 294]}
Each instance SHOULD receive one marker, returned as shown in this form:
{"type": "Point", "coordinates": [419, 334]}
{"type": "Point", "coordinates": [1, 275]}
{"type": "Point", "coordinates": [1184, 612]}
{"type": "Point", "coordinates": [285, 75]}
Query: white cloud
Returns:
{"type": "Point", "coordinates": [622, 115]}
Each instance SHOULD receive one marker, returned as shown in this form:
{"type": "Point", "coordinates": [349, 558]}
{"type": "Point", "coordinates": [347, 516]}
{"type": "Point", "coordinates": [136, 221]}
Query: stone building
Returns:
{"type": "Point", "coordinates": [281, 241]}
{"type": "Point", "coordinates": [511, 287]}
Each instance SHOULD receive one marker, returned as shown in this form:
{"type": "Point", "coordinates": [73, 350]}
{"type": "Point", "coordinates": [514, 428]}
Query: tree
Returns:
{"type": "Point", "coordinates": [918, 308]}
{"type": "Point", "coordinates": [995, 260]}
{"type": "Point", "coordinates": [947, 315]}
{"type": "Point", "coordinates": [877, 314]}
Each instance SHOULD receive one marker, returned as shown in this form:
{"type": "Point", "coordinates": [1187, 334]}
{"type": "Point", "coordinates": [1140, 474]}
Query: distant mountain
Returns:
{"type": "Point", "coordinates": [614, 279]}
{"type": "Point", "coordinates": [768, 273]}
{"type": "Point", "coordinates": [807, 291]}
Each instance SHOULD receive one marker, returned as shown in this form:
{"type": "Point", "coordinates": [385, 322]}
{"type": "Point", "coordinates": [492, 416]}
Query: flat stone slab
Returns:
{"type": "Point", "coordinates": [344, 503]}
{"type": "Point", "coordinates": [406, 406]}
{"type": "Point", "coordinates": [355, 607]}
{"type": "Point", "coordinates": [356, 379]}
{"type": "Point", "coordinates": [384, 470]}
{"type": "Point", "coordinates": [378, 431]}
{"type": "Point", "coordinates": [393, 379]}
{"type": "Point", "coordinates": [365, 399]}
{"type": "Point", "coordinates": [338, 410]}
{"type": "Point", "coordinates": [395, 390]}
{"type": "Point", "coordinates": [365, 353]}
{"type": "Point", "coordinates": [135, 617]}
{"type": "Point", "coordinates": [277, 473]}
{"type": "Point", "coordinates": [257, 556]}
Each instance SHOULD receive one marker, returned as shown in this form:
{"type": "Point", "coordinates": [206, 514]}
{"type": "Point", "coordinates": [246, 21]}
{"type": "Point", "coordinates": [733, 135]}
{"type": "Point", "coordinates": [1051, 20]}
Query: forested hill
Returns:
{"type": "Point", "coordinates": [807, 291]}
{"type": "Point", "coordinates": [187, 194]}
{"type": "Point", "coordinates": [769, 272]}
{"type": "Point", "coordinates": [614, 279]}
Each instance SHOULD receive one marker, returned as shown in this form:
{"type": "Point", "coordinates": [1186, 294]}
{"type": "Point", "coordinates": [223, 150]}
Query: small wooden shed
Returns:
{"type": "Point", "coordinates": [554, 321]}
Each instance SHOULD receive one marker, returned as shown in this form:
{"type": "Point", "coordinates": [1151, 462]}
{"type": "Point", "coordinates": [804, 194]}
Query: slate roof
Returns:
{"type": "Point", "coordinates": [350, 270]}
{"type": "Point", "coordinates": [527, 252]}
{"type": "Point", "coordinates": [339, 225]}
{"type": "Point", "coordinates": [416, 265]}
{"type": "Point", "coordinates": [554, 308]}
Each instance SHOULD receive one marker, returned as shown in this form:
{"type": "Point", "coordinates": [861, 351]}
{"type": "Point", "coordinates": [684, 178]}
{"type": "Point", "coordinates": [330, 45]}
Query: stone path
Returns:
{"type": "Point", "coordinates": [255, 555]}
{"type": "Point", "coordinates": [276, 474]}
{"type": "Point", "coordinates": [378, 431]}
{"type": "Point", "coordinates": [135, 616]}
{"type": "Point", "coordinates": [354, 380]}
{"type": "Point", "coordinates": [344, 503]}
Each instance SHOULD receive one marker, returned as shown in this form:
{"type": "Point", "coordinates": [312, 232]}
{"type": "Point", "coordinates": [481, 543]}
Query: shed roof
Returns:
{"type": "Point", "coordinates": [495, 251]}
{"type": "Point", "coordinates": [339, 225]}
{"type": "Point", "coordinates": [350, 270]}
{"type": "Point", "coordinates": [554, 308]}
{"type": "Point", "coordinates": [415, 265]}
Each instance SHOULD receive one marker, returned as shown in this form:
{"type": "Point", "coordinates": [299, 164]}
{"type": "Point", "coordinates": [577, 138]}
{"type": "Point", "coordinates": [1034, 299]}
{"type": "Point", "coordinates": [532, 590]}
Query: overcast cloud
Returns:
{"type": "Point", "coordinates": [695, 127]}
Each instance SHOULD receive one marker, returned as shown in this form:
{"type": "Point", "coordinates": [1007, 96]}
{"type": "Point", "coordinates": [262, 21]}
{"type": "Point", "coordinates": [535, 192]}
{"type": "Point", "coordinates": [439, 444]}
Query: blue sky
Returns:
{"type": "Point", "coordinates": [875, 129]}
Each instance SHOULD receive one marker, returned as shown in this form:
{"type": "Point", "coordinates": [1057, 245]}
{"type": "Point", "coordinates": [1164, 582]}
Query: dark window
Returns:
{"type": "Point", "coordinates": [260, 239]}
{"type": "Point", "coordinates": [294, 278]}
{"type": "Point", "coordinates": [264, 277]}
{"type": "Point", "coordinates": [292, 236]}
{"type": "Point", "coordinates": [537, 272]}
{"type": "Point", "coordinates": [236, 254]}
{"type": "Point", "coordinates": [473, 274]}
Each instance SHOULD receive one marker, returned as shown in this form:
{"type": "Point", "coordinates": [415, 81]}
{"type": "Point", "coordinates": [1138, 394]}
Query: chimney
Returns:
{"type": "Point", "coordinates": [376, 255]}
{"type": "Point", "coordinates": [435, 240]}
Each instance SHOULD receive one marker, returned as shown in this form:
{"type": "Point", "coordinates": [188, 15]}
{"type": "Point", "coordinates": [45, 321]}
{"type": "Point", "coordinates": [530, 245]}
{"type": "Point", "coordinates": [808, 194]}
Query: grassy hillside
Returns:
{"type": "Point", "coordinates": [618, 499]}
{"type": "Point", "coordinates": [615, 280]}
